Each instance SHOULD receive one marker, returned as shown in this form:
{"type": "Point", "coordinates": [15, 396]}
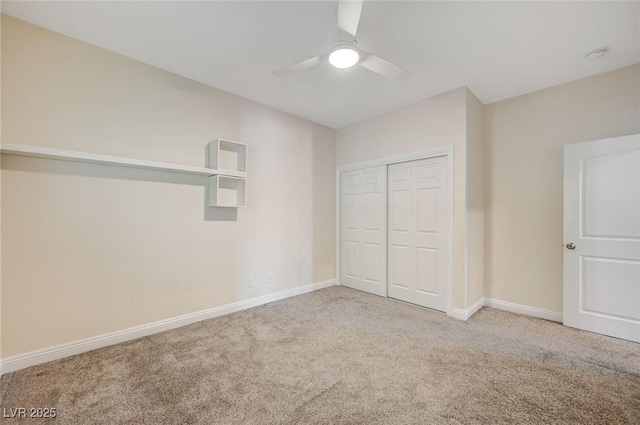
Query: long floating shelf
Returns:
{"type": "Point", "coordinates": [91, 158]}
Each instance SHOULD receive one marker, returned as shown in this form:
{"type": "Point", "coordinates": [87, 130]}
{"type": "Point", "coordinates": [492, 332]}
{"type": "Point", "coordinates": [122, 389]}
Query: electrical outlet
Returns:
{"type": "Point", "coordinates": [250, 282]}
{"type": "Point", "coordinates": [270, 279]}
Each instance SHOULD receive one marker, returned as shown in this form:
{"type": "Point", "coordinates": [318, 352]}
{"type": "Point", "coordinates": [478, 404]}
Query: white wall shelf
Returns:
{"type": "Point", "coordinates": [227, 186]}
{"type": "Point", "coordinates": [228, 155]}
{"type": "Point", "coordinates": [225, 191]}
{"type": "Point", "coordinates": [75, 156]}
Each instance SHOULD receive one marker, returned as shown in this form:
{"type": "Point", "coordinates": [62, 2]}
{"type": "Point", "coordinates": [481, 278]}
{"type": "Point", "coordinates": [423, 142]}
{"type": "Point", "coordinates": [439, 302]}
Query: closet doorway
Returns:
{"type": "Point", "coordinates": [395, 229]}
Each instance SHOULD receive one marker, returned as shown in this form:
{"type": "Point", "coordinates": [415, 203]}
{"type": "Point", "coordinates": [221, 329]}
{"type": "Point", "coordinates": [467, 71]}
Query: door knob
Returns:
{"type": "Point", "coordinates": [571, 246]}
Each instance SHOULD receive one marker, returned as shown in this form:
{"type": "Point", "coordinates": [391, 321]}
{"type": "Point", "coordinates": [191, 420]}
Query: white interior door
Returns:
{"type": "Point", "coordinates": [417, 232]}
{"type": "Point", "coordinates": [602, 236]}
{"type": "Point", "coordinates": [363, 229]}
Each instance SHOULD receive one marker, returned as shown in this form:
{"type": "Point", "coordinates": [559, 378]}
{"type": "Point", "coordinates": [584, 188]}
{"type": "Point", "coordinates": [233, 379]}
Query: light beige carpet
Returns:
{"type": "Point", "coordinates": [339, 356]}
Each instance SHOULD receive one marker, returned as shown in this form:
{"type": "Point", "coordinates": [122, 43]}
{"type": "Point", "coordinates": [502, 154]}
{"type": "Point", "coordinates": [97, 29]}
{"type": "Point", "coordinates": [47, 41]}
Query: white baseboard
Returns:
{"type": "Point", "coordinates": [21, 361]}
{"type": "Point", "coordinates": [461, 314]}
{"type": "Point", "coordinates": [475, 307]}
{"type": "Point", "coordinates": [524, 309]}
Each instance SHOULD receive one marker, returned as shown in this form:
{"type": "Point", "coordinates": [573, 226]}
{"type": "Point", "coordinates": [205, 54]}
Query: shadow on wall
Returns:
{"type": "Point", "coordinates": [41, 165]}
{"type": "Point", "coordinates": [218, 213]}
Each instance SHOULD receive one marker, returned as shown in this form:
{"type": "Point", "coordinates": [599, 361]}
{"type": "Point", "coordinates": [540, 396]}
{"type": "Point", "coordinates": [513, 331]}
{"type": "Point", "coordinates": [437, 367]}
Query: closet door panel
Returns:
{"type": "Point", "coordinates": [418, 198]}
{"type": "Point", "coordinates": [363, 229]}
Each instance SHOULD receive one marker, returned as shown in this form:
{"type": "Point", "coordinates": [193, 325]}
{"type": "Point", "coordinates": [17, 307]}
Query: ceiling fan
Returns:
{"type": "Point", "coordinates": [345, 52]}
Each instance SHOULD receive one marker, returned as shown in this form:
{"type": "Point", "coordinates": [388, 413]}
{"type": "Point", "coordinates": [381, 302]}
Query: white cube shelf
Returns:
{"type": "Point", "coordinates": [227, 191]}
{"type": "Point", "coordinates": [227, 155]}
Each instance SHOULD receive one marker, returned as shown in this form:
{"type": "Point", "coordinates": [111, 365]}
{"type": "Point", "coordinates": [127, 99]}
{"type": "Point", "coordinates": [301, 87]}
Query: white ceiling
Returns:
{"type": "Point", "coordinates": [498, 50]}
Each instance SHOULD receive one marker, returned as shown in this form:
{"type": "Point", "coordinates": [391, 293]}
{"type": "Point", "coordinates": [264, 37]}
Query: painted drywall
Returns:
{"type": "Point", "coordinates": [0, 205]}
{"type": "Point", "coordinates": [435, 122]}
{"type": "Point", "coordinates": [93, 249]}
{"type": "Point", "coordinates": [524, 177]}
{"type": "Point", "coordinates": [475, 199]}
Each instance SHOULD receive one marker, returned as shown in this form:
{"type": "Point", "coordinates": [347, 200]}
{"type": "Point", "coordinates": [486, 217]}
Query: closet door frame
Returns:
{"type": "Point", "coordinates": [431, 153]}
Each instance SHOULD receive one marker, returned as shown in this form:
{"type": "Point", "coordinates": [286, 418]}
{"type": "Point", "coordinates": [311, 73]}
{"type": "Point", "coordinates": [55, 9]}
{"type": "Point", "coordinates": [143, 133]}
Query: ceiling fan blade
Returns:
{"type": "Point", "coordinates": [349, 16]}
{"type": "Point", "coordinates": [307, 63]}
{"type": "Point", "coordinates": [382, 66]}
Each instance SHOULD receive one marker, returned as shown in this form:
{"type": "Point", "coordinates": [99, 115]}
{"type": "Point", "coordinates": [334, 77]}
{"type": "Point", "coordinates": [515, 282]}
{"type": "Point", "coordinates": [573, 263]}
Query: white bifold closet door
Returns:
{"type": "Point", "coordinates": [417, 232]}
{"type": "Point", "coordinates": [363, 229]}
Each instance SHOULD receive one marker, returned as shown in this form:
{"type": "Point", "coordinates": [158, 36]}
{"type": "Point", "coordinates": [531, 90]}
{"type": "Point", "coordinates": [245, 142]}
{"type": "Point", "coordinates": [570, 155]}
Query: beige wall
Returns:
{"type": "Point", "coordinates": [475, 199]}
{"type": "Point", "coordinates": [0, 203]}
{"type": "Point", "coordinates": [524, 177]}
{"type": "Point", "coordinates": [92, 249]}
{"type": "Point", "coordinates": [435, 122]}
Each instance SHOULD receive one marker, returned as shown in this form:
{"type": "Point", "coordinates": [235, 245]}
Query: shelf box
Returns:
{"type": "Point", "coordinates": [227, 192]}
{"type": "Point", "coordinates": [227, 155]}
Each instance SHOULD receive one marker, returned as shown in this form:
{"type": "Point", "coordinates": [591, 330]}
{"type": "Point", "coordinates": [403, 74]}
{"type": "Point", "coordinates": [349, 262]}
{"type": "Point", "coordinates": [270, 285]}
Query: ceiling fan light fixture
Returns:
{"type": "Point", "coordinates": [344, 56]}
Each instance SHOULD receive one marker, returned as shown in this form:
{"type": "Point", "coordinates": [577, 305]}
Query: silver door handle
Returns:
{"type": "Point", "coordinates": [571, 246]}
